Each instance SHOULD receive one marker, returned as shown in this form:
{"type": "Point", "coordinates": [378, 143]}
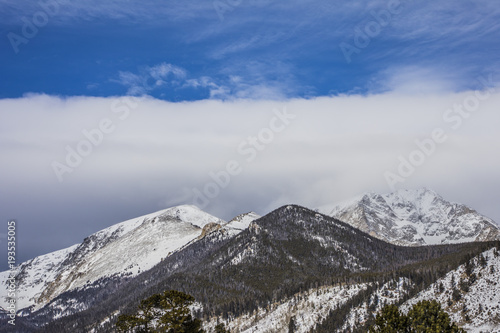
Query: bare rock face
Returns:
{"type": "Point", "coordinates": [209, 228]}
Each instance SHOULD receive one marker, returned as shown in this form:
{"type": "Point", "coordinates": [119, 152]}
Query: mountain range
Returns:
{"type": "Point", "coordinates": [256, 273]}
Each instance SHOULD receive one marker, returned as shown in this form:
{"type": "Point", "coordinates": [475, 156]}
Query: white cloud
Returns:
{"type": "Point", "coordinates": [336, 147]}
{"type": "Point", "coordinates": [255, 84]}
{"type": "Point", "coordinates": [202, 82]}
{"type": "Point", "coordinates": [416, 79]}
{"type": "Point", "coordinates": [161, 71]}
{"type": "Point", "coordinates": [151, 78]}
{"type": "Point", "coordinates": [154, 157]}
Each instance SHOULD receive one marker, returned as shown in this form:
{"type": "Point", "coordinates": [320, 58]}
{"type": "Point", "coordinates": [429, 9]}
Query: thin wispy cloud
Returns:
{"type": "Point", "coordinates": [149, 79]}
{"type": "Point", "coordinates": [252, 82]}
{"type": "Point", "coordinates": [66, 11]}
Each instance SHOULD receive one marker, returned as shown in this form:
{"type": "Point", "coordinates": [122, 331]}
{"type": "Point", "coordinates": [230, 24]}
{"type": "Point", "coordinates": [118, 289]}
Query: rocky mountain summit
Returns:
{"type": "Point", "coordinates": [413, 218]}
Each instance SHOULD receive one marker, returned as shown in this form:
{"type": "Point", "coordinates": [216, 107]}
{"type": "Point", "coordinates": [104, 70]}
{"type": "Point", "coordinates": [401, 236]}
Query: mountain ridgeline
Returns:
{"type": "Point", "coordinates": [285, 253]}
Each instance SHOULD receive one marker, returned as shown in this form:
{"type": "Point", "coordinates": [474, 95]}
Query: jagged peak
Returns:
{"type": "Point", "coordinates": [401, 195]}
{"type": "Point", "coordinates": [414, 196]}
{"type": "Point", "coordinates": [414, 217]}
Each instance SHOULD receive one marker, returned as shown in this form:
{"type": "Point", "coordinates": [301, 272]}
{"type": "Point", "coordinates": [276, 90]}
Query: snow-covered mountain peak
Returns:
{"type": "Point", "coordinates": [414, 217]}
{"type": "Point", "coordinates": [241, 222]}
{"type": "Point", "coordinates": [191, 214]}
{"type": "Point", "coordinates": [423, 198]}
{"type": "Point", "coordinates": [124, 249]}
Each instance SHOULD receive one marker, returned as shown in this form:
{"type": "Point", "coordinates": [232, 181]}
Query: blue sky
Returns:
{"type": "Point", "coordinates": [170, 93]}
{"type": "Point", "coordinates": [244, 49]}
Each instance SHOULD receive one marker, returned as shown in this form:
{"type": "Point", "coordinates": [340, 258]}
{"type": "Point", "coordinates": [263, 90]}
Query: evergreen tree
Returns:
{"type": "Point", "coordinates": [390, 320]}
{"type": "Point", "coordinates": [483, 261]}
{"type": "Point", "coordinates": [424, 317]}
{"type": "Point", "coordinates": [428, 317]}
{"type": "Point", "coordinates": [469, 267]}
{"type": "Point", "coordinates": [464, 285]}
{"type": "Point", "coordinates": [221, 328]}
{"type": "Point", "coordinates": [456, 295]}
{"type": "Point", "coordinates": [168, 312]}
{"type": "Point", "coordinates": [291, 325]}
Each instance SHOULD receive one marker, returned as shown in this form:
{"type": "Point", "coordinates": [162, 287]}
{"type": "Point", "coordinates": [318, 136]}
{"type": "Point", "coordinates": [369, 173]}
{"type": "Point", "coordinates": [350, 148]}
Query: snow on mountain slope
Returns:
{"type": "Point", "coordinates": [41, 269]}
{"type": "Point", "coordinates": [242, 221]}
{"type": "Point", "coordinates": [477, 308]}
{"type": "Point", "coordinates": [414, 217]}
{"type": "Point", "coordinates": [124, 249]}
{"type": "Point", "coordinates": [388, 293]}
{"type": "Point", "coordinates": [311, 307]}
{"type": "Point", "coordinates": [306, 308]}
